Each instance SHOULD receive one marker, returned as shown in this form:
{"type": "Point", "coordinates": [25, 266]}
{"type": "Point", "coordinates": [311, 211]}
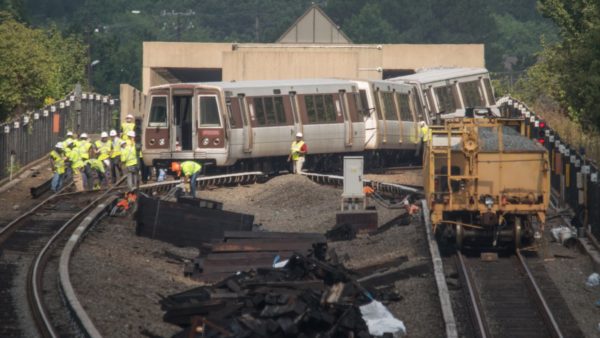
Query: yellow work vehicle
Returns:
{"type": "Point", "coordinates": [486, 184]}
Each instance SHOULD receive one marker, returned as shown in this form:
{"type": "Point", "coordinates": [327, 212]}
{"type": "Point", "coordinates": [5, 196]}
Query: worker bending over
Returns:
{"type": "Point", "coordinates": [190, 171]}
{"type": "Point", "coordinates": [297, 153]}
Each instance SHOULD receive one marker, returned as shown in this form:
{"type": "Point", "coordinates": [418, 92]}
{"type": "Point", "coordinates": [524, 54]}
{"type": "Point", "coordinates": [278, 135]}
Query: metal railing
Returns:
{"type": "Point", "coordinates": [31, 136]}
{"type": "Point", "coordinates": [574, 179]}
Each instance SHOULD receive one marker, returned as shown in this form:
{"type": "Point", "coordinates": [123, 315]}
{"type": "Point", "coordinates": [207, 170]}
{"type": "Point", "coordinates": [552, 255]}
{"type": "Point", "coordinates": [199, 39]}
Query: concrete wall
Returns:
{"type": "Point", "coordinates": [133, 101]}
{"type": "Point", "coordinates": [292, 61]}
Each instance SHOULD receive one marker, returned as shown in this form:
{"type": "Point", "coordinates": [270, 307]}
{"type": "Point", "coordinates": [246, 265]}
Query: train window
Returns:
{"type": "Point", "coordinates": [488, 89]}
{"type": "Point", "coordinates": [472, 96]}
{"type": "Point", "coordinates": [158, 112]}
{"type": "Point", "coordinates": [389, 106]}
{"type": "Point", "coordinates": [320, 108]}
{"type": "Point", "coordinates": [269, 110]}
{"type": "Point", "coordinates": [230, 113]}
{"type": "Point", "coordinates": [361, 102]}
{"type": "Point", "coordinates": [445, 98]}
{"type": "Point", "coordinates": [279, 110]}
{"type": "Point", "coordinates": [405, 112]}
{"type": "Point", "coordinates": [209, 111]}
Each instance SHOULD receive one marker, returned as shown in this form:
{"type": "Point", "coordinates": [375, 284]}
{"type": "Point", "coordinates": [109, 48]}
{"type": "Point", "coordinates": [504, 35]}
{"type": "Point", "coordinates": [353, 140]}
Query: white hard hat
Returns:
{"type": "Point", "coordinates": [131, 133]}
{"type": "Point", "coordinates": [113, 133]}
{"type": "Point", "coordinates": [123, 142]}
{"type": "Point", "coordinates": [103, 134]}
{"type": "Point", "coordinates": [422, 123]}
{"type": "Point", "coordinates": [299, 135]}
{"type": "Point", "coordinates": [69, 142]}
{"type": "Point", "coordinates": [69, 133]}
{"type": "Point", "coordinates": [83, 135]}
{"type": "Point", "coordinates": [59, 145]}
{"type": "Point", "coordinates": [129, 116]}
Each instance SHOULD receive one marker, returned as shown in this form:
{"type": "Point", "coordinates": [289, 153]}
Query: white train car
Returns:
{"type": "Point", "coordinates": [251, 123]}
{"type": "Point", "coordinates": [447, 92]}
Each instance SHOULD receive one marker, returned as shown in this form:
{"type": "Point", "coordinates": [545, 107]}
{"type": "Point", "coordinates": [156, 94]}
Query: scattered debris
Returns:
{"type": "Point", "coordinates": [564, 235]}
{"type": "Point", "coordinates": [186, 225]}
{"type": "Point", "coordinates": [380, 321]}
{"type": "Point", "coordinates": [593, 280]}
{"type": "Point", "coordinates": [307, 298]}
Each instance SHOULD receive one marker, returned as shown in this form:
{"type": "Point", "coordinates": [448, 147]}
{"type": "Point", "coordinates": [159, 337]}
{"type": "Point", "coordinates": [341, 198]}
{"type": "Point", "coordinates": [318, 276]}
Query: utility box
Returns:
{"type": "Point", "coordinates": [353, 177]}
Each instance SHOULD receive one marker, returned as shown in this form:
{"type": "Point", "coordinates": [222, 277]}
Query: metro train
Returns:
{"type": "Point", "coordinates": [249, 125]}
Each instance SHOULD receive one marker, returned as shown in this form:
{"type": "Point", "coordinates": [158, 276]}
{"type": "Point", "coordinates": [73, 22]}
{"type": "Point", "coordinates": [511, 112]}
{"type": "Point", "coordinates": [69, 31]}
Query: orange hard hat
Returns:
{"type": "Point", "coordinates": [175, 167]}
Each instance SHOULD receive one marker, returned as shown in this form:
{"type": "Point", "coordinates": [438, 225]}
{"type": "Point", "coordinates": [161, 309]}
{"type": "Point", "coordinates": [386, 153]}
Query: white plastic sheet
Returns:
{"type": "Point", "coordinates": [593, 280]}
{"type": "Point", "coordinates": [380, 320]}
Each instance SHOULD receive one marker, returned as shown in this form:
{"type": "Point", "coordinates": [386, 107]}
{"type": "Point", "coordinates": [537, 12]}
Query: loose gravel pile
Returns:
{"type": "Point", "coordinates": [118, 275]}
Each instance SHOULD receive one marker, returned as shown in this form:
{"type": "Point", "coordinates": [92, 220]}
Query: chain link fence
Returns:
{"type": "Point", "coordinates": [31, 136]}
{"type": "Point", "coordinates": [574, 179]}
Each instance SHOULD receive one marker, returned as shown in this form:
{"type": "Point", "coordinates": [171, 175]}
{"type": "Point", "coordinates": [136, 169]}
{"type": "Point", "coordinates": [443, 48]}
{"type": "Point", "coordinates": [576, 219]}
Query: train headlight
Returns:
{"type": "Point", "coordinates": [152, 141]}
{"type": "Point", "coordinates": [489, 202]}
{"type": "Point", "coordinates": [205, 141]}
{"type": "Point", "coordinates": [216, 141]}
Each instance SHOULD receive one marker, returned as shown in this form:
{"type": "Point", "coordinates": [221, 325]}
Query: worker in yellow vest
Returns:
{"type": "Point", "coordinates": [69, 137]}
{"type": "Point", "coordinates": [115, 156]}
{"type": "Point", "coordinates": [130, 162]}
{"type": "Point", "coordinates": [424, 135]}
{"type": "Point", "coordinates": [77, 165]}
{"type": "Point", "coordinates": [128, 125]}
{"type": "Point", "coordinates": [98, 168]}
{"type": "Point", "coordinates": [57, 161]}
{"type": "Point", "coordinates": [298, 152]}
{"type": "Point", "coordinates": [85, 147]}
{"type": "Point", "coordinates": [190, 171]}
{"type": "Point", "coordinates": [103, 152]}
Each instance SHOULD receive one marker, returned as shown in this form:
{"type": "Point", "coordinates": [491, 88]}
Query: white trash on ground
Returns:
{"type": "Point", "coordinates": [562, 233]}
{"type": "Point", "coordinates": [593, 280]}
{"type": "Point", "coordinates": [381, 321]}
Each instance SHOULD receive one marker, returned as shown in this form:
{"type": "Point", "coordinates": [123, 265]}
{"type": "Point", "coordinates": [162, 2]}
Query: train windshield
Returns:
{"type": "Point", "coordinates": [158, 112]}
{"type": "Point", "coordinates": [472, 95]}
{"type": "Point", "coordinates": [209, 111]}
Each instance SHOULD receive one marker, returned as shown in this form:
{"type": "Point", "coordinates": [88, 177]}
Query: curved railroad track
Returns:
{"type": "Point", "coordinates": [506, 299]}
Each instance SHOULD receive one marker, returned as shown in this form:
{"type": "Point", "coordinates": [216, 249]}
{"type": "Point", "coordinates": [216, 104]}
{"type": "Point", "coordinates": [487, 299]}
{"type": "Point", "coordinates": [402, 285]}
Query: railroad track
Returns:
{"type": "Point", "coordinates": [506, 300]}
{"type": "Point", "coordinates": [31, 303]}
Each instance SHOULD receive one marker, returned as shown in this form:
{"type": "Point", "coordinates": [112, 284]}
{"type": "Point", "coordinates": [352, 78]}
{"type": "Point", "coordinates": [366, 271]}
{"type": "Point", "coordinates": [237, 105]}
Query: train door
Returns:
{"type": "Point", "coordinates": [246, 124]}
{"type": "Point", "coordinates": [298, 127]}
{"type": "Point", "coordinates": [342, 105]}
{"type": "Point", "coordinates": [156, 132]}
{"type": "Point", "coordinates": [182, 120]}
{"type": "Point", "coordinates": [211, 133]}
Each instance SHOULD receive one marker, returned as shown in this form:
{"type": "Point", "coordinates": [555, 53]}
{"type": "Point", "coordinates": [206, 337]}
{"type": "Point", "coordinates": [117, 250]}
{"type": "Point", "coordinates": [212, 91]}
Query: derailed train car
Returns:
{"type": "Point", "coordinates": [250, 124]}
{"type": "Point", "coordinates": [486, 184]}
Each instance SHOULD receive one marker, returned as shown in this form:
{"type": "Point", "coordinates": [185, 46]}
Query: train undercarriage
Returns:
{"type": "Point", "coordinates": [468, 231]}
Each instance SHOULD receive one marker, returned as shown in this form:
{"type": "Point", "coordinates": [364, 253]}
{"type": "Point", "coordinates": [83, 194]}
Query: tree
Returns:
{"type": "Point", "coordinates": [575, 60]}
{"type": "Point", "coordinates": [34, 65]}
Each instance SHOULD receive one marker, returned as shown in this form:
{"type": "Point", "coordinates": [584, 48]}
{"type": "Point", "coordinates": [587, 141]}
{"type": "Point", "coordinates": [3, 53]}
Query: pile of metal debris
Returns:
{"type": "Point", "coordinates": [306, 298]}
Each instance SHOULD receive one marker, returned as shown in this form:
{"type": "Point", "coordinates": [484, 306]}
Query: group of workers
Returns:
{"type": "Point", "coordinates": [93, 165]}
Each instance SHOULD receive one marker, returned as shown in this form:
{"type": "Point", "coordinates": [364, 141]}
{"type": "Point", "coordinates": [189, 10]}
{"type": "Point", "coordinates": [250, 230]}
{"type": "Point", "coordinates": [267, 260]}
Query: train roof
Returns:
{"type": "Point", "coordinates": [257, 84]}
{"type": "Point", "coordinates": [440, 74]}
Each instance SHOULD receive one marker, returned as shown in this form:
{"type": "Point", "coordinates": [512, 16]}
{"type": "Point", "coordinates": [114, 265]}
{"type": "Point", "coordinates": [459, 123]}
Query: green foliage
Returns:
{"type": "Point", "coordinates": [35, 64]}
{"type": "Point", "coordinates": [569, 71]}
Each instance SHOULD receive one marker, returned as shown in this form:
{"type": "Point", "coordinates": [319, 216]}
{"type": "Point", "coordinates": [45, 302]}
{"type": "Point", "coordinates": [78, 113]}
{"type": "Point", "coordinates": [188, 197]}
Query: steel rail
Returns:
{"type": "Point", "coordinates": [235, 178]}
{"type": "Point", "coordinates": [475, 304]}
{"type": "Point", "coordinates": [381, 186]}
{"type": "Point", "coordinates": [34, 280]}
{"type": "Point", "coordinates": [546, 312]}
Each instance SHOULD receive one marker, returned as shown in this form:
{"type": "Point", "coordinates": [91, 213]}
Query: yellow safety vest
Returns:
{"type": "Point", "coordinates": [116, 147]}
{"type": "Point", "coordinates": [127, 127]}
{"type": "Point", "coordinates": [96, 164]}
{"type": "Point", "coordinates": [128, 156]}
{"type": "Point", "coordinates": [85, 146]}
{"type": "Point", "coordinates": [425, 133]}
{"type": "Point", "coordinates": [59, 162]}
{"type": "Point", "coordinates": [75, 158]}
{"type": "Point", "coordinates": [295, 149]}
{"type": "Point", "coordinates": [104, 148]}
{"type": "Point", "coordinates": [190, 167]}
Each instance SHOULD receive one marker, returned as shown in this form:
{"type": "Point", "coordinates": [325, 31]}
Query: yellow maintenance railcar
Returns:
{"type": "Point", "coordinates": [486, 184]}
